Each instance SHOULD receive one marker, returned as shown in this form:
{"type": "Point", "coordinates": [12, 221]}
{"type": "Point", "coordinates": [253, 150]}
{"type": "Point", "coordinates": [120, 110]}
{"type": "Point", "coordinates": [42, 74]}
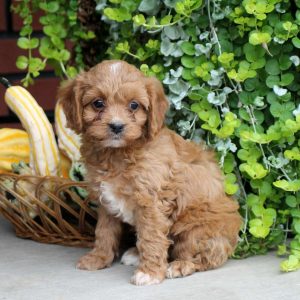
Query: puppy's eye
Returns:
{"type": "Point", "coordinates": [133, 105]}
{"type": "Point", "coordinates": [98, 103]}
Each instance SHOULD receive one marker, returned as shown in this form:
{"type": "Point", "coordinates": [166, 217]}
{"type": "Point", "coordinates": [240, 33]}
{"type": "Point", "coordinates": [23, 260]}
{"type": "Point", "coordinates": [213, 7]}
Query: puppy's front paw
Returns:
{"type": "Point", "coordinates": [92, 262]}
{"type": "Point", "coordinates": [141, 278]}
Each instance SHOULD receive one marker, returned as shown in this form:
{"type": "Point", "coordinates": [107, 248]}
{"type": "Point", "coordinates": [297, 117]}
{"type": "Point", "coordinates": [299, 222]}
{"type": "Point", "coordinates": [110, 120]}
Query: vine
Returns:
{"type": "Point", "coordinates": [60, 26]}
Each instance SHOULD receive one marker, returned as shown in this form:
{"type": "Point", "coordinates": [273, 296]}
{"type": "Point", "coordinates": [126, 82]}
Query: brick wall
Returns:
{"type": "Point", "coordinates": [44, 88]}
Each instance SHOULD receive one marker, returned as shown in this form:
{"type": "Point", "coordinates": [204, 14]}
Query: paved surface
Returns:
{"type": "Point", "coordinates": [33, 271]}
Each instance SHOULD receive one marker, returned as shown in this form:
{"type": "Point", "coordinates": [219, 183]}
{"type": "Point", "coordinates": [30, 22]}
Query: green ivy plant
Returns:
{"type": "Point", "coordinates": [230, 70]}
{"type": "Point", "coordinates": [60, 25]}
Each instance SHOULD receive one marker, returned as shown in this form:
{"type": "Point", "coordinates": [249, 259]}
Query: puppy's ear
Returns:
{"type": "Point", "coordinates": [158, 106]}
{"type": "Point", "coordinates": [69, 95]}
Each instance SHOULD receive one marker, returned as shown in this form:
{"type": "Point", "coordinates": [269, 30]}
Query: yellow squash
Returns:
{"type": "Point", "coordinates": [68, 140]}
{"type": "Point", "coordinates": [14, 147]}
{"type": "Point", "coordinates": [44, 155]}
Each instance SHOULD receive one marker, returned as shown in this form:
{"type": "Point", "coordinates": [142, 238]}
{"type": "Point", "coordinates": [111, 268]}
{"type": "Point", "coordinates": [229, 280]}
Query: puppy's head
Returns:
{"type": "Point", "coordinates": [115, 104]}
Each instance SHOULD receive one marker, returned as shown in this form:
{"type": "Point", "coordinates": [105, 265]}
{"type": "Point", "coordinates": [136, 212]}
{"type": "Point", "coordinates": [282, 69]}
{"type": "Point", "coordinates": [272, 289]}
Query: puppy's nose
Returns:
{"type": "Point", "coordinates": [116, 127]}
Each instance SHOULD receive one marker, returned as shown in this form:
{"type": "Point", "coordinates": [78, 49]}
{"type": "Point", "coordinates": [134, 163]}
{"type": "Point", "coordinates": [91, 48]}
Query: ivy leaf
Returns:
{"type": "Point", "coordinates": [139, 19]}
{"type": "Point", "coordinates": [256, 38]}
{"type": "Point", "coordinates": [281, 251]}
{"type": "Point", "coordinates": [226, 58]}
{"type": "Point", "coordinates": [284, 62]}
{"type": "Point", "coordinates": [202, 49]}
{"type": "Point", "coordinates": [71, 71]}
{"type": "Point", "coordinates": [230, 186]}
{"type": "Point", "coordinates": [291, 264]}
{"type": "Point", "coordinates": [253, 53]}
{"type": "Point", "coordinates": [216, 99]}
{"type": "Point", "coordinates": [286, 79]}
{"type": "Point", "coordinates": [295, 213]}
{"type": "Point", "coordinates": [170, 3]}
{"type": "Point", "coordinates": [259, 231]}
{"type": "Point", "coordinates": [272, 67]}
{"type": "Point", "coordinates": [272, 80]}
{"type": "Point", "coordinates": [229, 163]}
{"type": "Point", "coordinates": [296, 225]}
{"type": "Point", "coordinates": [52, 6]}
{"type": "Point", "coordinates": [123, 47]}
{"type": "Point", "coordinates": [249, 155]}
{"type": "Point", "coordinates": [252, 200]}
{"type": "Point", "coordinates": [296, 42]}
{"type": "Point", "coordinates": [22, 62]}
{"type": "Point", "coordinates": [290, 186]}
{"type": "Point", "coordinates": [23, 43]}
{"type": "Point", "coordinates": [176, 99]}
{"type": "Point", "coordinates": [188, 62]}
{"type": "Point", "coordinates": [167, 47]}
{"type": "Point", "coordinates": [282, 111]}
{"type": "Point", "coordinates": [117, 14]}
{"type": "Point", "coordinates": [291, 201]}
{"type": "Point", "coordinates": [279, 91]}
{"type": "Point", "coordinates": [172, 32]}
{"type": "Point", "coordinates": [295, 60]}
{"type": "Point", "coordinates": [176, 73]}
{"type": "Point", "coordinates": [63, 55]}
{"type": "Point", "coordinates": [293, 154]}
{"type": "Point", "coordinates": [150, 7]}
{"type": "Point", "coordinates": [179, 87]}
{"type": "Point", "coordinates": [187, 48]}
{"type": "Point", "coordinates": [166, 20]}
{"type": "Point", "coordinates": [259, 138]}
{"type": "Point", "coordinates": [255, 170]}
{"type": "Point", "coordinates": [258, 210]}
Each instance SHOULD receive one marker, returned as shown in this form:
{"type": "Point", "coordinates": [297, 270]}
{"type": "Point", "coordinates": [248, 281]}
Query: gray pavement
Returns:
{"type": "Point", "coordinates": [34, 271]}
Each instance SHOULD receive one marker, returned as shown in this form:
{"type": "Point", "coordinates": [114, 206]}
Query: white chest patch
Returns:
{"type": "Point", "coordinates": [115, 206]}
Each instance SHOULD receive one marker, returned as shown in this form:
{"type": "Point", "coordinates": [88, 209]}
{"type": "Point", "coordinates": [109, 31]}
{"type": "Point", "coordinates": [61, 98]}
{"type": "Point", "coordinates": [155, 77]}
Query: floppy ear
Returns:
{"type": "Point", "coordinates": [158, 106]}
{"type": "Point", "coordinates": [69, 95]}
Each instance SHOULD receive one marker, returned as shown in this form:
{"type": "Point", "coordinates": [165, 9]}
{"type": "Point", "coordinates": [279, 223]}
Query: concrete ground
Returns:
{"type": "Point", "coordinates": [34, 271]}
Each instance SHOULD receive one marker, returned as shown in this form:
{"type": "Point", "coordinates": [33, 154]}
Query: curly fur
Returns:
{"type": "Point", "coordinates": [171, 190]}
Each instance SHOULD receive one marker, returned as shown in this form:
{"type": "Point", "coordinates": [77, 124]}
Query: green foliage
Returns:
{"type": "Point", "coordinates": [60, 25]}
{"type": "Point", "coordinates": [230, 70]}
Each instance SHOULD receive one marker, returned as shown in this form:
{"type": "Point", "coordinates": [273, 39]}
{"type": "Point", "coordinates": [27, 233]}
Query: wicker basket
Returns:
{"type": "Point", "coordinates": [48, 209]}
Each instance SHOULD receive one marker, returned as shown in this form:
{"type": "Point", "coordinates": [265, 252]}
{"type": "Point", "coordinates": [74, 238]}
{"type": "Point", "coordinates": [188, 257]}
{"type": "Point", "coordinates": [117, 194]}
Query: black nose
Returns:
{"type": "Point", "coordinates": [116, 127]}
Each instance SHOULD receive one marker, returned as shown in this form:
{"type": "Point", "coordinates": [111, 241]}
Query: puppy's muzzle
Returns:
{"type": "Point", "coordinates": [116, 127]}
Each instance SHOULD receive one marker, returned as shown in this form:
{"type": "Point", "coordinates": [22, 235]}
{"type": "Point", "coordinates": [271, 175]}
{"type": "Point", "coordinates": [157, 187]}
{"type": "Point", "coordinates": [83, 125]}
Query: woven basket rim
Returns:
{"type": "Point", "coordinates": [51, 200]}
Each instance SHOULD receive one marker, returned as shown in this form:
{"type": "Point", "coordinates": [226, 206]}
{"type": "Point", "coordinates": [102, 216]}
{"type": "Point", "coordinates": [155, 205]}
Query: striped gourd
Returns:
{"type": "Point", "coordinates": [68, 140]}
{"type": "Point", "coordinates": [65, 165]}
{"type": "Point", "coordinates": [44, 155]}
{"type": "Point", "coordinates": [14, 147]}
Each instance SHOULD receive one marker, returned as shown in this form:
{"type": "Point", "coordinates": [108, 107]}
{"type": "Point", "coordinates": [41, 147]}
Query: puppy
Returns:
{"type": "Point", "coordinates": [170, 190]}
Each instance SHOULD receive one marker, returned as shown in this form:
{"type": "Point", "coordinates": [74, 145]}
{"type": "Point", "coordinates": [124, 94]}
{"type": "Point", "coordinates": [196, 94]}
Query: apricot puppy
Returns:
{"type": "Point", "coordinates": [170, 190]}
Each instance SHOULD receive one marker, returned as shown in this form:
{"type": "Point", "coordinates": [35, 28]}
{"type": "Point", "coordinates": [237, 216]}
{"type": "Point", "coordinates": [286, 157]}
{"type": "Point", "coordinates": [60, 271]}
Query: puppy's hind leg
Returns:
{"type": "Point", "coordinates": [193, 254]}
{"type": "Point", "coordinates": [203, 240]}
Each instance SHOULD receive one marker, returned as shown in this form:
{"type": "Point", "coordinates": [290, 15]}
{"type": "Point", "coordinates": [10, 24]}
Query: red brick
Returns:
{"type": "Point", "coordinates": [17, 22]}
{"type": "Point", "coordinates": [3, 107]}
{"type": "Point", "coordinates": [3, 22]}
{"type": "Point", "coordinates": [9, 51]}
{"type": "Point", "coordinates": [44, 91]}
